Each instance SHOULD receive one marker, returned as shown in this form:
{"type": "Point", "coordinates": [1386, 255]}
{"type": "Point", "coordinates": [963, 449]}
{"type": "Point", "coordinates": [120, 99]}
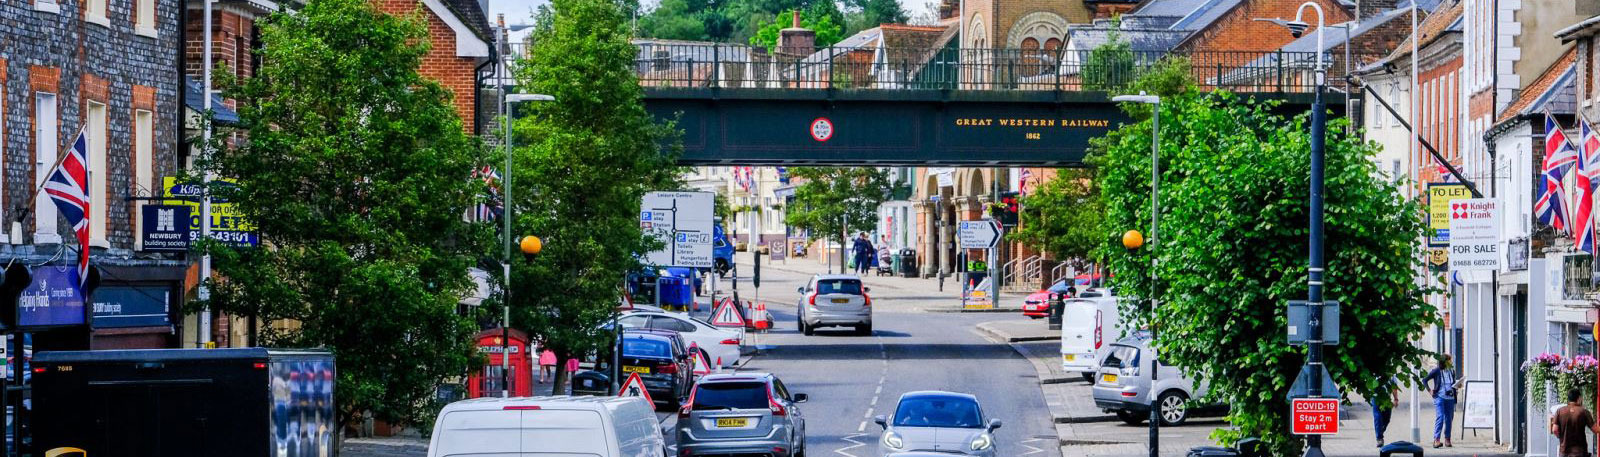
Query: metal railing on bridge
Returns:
{"type": "Point", "coordinates": [706, 65]}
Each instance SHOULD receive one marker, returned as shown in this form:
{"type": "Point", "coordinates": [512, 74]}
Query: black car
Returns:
{"type": "Point", "coordinates": [661, 361]}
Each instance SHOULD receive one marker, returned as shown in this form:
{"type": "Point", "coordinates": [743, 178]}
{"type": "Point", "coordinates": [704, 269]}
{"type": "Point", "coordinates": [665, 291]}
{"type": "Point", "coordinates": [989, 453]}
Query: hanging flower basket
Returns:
{"type": "Point", "coordinates": [1565, 374]}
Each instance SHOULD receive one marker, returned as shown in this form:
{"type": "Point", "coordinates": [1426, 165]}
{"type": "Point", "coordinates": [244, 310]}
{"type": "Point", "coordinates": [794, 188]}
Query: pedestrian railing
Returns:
{"type": "Point", "coordinates": [717, 65]}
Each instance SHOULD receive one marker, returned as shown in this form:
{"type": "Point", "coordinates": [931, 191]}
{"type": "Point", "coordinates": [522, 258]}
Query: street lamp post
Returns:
{"type": "Point", "coordinates": [1319, 126]}
{"type": "Point", "coordinates": [505, 198]}
{"type": "Point", "coordinates": [1155, 218]}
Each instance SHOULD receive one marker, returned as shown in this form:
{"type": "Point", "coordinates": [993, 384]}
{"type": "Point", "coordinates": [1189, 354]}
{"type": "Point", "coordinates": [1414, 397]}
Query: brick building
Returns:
{"type": "Point", "coordinates": [108, 68]}
{"type": "Point", "coordinates": [461, 38]}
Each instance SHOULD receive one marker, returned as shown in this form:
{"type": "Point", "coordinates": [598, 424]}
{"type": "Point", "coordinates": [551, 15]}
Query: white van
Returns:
{"type": "Point", "coordinates": [1088, 325]}
{"type": "Point", "coordinates": [559, 426]}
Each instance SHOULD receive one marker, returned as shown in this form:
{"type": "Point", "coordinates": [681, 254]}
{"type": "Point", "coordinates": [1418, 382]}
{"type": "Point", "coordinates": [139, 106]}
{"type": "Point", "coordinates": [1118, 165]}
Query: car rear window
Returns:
{"type": "Point", "coordinates": [1078, 314]}
{"type": "Point", "coordinates": [938, 412]}
{"type": "Point", "coordinates": [839, 286]}
{"type": "Point", "coordinates": [646, 348]}
{"type": "Point", "coordinates": [1122, 357]}
{"type": "Point", "coordinates": [730, 395]}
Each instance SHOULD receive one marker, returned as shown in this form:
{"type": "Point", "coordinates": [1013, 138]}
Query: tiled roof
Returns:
{"type": "Point", "coordinates": [1434, 26]}
{"type": "Point", "coordinates": [1552, 90]}
{"type": "Point", "coordinates": [193, 99]}
{"type": "Point", "coordinates": [470, 13]}
{"type": "Point", "coordinates": [1205, 14]}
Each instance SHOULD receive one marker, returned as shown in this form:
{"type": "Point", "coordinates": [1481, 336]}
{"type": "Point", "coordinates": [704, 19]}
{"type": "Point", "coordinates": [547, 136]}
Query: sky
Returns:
{"type": "Point", "coordinates": [518, 11]}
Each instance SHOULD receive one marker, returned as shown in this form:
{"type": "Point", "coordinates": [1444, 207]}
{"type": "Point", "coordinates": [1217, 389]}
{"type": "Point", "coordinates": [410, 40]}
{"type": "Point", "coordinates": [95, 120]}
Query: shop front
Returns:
{"type": "Point", "coordinates": [487, 380]}
{"type": "Point", "coordinates": [135, 307]}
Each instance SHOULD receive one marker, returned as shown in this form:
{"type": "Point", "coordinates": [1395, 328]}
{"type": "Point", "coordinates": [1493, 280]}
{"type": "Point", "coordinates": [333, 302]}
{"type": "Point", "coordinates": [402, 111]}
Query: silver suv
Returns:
{"type": "Point", "coordinates": [744, 413]}
{"type": "Point", "coordinates": [1124, 387]}
{"type": "Point", "coordinates": [835, 300]}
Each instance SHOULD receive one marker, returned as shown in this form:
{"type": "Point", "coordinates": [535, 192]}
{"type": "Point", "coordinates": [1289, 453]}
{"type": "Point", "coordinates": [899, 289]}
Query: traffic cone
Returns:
{"type": "Point", "coordinates": [762, 322]}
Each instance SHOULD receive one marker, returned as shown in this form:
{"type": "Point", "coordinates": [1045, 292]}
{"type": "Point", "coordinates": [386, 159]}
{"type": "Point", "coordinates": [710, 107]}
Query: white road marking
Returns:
{"type": "Point", "coordinates": [879, 391]}
{"type": "Point", "coordinates": [862, 427]}
{"type": "Point", "coordinates": [869, 413]}
{"type": "Point", "coordinates": [1031, 450]}
{"type": "Point", "coordinates": [874, 401]}
{"type": "Point", "coordinates": [851, 438]}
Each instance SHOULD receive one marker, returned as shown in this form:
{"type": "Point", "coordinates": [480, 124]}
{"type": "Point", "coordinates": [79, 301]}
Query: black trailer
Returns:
{"type": "Point", "coordinates": [176, 402]}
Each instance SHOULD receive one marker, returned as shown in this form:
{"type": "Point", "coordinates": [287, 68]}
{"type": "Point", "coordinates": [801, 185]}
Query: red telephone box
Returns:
{"type": "Point", "coordinates": [485, 382]}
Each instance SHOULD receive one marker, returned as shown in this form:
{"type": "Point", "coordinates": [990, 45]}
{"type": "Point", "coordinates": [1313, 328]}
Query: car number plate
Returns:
{"type": "Point", "coordinates": [732, 422]}
{"type": "Point", "coordinates": [1069, 357]}
{"type": "Point", "coordinates": [1108, 378]}
{"type": "Point", "coordinates": [641, 370]}
{"type": "Point", "coordinates": [841, 300]}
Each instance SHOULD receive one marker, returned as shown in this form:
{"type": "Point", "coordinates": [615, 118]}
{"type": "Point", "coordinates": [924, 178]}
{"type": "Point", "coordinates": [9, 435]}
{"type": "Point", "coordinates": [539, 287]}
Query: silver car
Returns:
{"type": "Point", "coordinates": [1124, 387]}
{"type": "Point", "coordinates": [933, 421]}
{"type": "Point", "coordinates": [835, 300]}
{"type": "Point", "coordinates": [744, 413]}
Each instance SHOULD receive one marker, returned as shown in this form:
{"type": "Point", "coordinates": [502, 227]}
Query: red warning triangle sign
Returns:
{"type": "Point", "coordinates": [634, 387]}
{"type": "Point", "coordinates": [726, 315]}
{"type": "Point", "coordinates": [702, 368]}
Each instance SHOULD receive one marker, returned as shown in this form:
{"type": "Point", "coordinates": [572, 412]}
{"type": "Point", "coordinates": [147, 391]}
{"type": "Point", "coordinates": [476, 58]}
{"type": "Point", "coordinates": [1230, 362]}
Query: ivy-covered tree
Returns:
{"type": "Point", "coordinates": [582, 164]}
{"type": "Point", "coordinates": [828, 31]}
{"type": "Point", "coordinates": [830, 201]}
{"type": "Point", "coordinates": [356, 173]}
{"type": "Point", "coordinates": [1063, 217]}
{"type": "Point", "coordinates": [1232, 252]}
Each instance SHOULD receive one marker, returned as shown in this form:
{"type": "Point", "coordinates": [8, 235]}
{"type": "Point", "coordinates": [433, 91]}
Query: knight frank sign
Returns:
{"type": "Point", "coordinates": [1475, 234]}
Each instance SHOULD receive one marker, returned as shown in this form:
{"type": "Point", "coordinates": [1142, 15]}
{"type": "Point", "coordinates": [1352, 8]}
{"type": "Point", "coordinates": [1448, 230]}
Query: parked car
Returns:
{"type": "Point", "coordinates": [1124, 386]}
{"type": "Point", "coordinates": [834, 300]}
{"type": "Point", "coordinates": [662, 362]}
{"type": "Point", "coordinates": [721, 345]}
{"type": "Point", "coordinates": [560, 425]}
{"type": "Point", "coordinates": [742, 414]}
{"type": "Point", "coordinates": [1087, 324]}
{"type": "Point", "coordinates": [1037, 304]}
{"type": "Point", "coordinates": [938, 422]}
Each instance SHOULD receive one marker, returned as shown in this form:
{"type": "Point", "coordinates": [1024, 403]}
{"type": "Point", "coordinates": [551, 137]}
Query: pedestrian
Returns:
{"type": "Point", "coordinates": [1443, 383]}
{"type": "Point", "coordinates": [1570, 423]}
{"type": "Point", "coordinates": [1380, 413]}
{"type": "Point", "coordinates": [572, 365]}
{"type": "Point", "coordinates": [862, 248]}
{"type": "Point", "coordinates": [547, 365]}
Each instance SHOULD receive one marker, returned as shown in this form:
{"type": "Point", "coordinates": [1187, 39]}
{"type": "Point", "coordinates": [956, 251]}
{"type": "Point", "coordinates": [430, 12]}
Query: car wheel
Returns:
{"type": "Point", "coordinates": [1088, 377]}
{"type": "Point", "coordinates": [1174, 408]}
{"type": "Point", "coordinates": [807, 330]}
{"type": "Point", "coordinates": [864, 330]}
{"type": "Point", "coordinates": [1130, 418]}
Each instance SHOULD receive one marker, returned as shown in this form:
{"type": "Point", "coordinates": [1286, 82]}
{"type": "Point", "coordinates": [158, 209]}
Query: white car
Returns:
{"type": "Point", "coordinates": [589, 426]}
{"type": "Point", "coordinates": [719, 344]}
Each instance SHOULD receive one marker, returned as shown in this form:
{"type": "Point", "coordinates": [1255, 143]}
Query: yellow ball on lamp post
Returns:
{"type": "Point", "coordinates": [531, 245]}
{"type": "Point", "coordinates": [1132, 239]}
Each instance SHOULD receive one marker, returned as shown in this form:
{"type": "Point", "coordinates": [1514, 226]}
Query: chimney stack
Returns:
{"type": "Point", "coordinates": [796, 40]}
{"type": "Point", "coordinates": [1368, 9]}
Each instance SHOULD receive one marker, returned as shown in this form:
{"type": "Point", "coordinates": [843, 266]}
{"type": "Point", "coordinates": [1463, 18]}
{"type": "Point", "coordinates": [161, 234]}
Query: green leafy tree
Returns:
{"type": "Point", "coordinates": [673, 20]}
{"type": "Point", "coordinates": [830, 201]}
{"type": "Point", "coordinates": [1063, 217]}
{"type": "Point", "coordinates": [1232, 252]}
{"type": "Point", "coordinates": [588, 159]}
{"type": "Point", "coordinates": [1109, 66]}
{"type": "Point", "coordinates": [828, 31]}
{"type": "Point", "coordinates": [867, 14]}
{"type": "Point", "coordinates": [356, 180]}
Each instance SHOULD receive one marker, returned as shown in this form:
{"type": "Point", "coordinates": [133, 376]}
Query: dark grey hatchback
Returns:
{"type": "Point", "coordinates": [742, 414]}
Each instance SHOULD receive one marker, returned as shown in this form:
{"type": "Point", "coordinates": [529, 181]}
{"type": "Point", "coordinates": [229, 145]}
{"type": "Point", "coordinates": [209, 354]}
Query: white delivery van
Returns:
{"type": "Point", "coordinates": [559, 426]}
{"type": "Point", "coordinates": [1088, 325]}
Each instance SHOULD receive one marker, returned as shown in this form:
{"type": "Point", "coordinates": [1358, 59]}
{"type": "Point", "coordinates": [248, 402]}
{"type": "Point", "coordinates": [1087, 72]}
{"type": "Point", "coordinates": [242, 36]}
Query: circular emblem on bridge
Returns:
{"type": "Point", "coordinates": [821, 129]}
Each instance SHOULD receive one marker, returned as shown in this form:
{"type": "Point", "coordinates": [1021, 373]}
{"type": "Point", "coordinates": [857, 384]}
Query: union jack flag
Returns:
{"type": "Point", "coordinates": [1587, 179]}
{"type": "Point", "coordinates": [68, 187]}
{"type": "Point", "coordinates": [1559, 157]}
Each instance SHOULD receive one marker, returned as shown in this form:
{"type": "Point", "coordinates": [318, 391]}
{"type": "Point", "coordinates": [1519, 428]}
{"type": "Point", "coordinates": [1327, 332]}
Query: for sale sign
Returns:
{"type": "Point", "coordinates": [1314, 416]}
{"type": "Point", "coordinates": [1475, 234]}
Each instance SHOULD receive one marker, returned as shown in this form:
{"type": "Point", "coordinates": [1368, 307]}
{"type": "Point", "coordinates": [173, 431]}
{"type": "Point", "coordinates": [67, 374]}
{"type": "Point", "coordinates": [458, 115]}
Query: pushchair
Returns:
{"type": "Point", "coordinates": [881, 263]}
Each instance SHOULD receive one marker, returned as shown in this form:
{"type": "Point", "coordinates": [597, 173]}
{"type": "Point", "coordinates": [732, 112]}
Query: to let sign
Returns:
{"type": "Point", "coordinates": [1315, 416]}
{"type": "Point", "coordinates": [1475, 234]}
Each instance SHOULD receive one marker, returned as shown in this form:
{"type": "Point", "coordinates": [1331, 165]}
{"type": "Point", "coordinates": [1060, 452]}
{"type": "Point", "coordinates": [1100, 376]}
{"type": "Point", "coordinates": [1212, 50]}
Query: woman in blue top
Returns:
{"type": "Point", "coordinates": [1443, 382]}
